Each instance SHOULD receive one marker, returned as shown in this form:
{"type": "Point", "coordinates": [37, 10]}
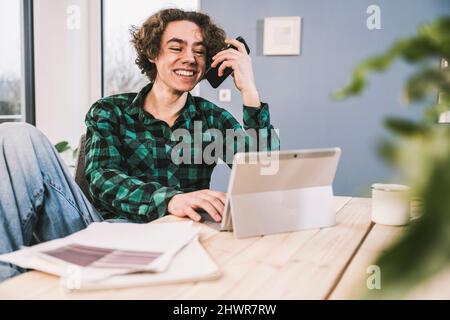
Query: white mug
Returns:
{"type": "Point", "coordinates": [390, 204]}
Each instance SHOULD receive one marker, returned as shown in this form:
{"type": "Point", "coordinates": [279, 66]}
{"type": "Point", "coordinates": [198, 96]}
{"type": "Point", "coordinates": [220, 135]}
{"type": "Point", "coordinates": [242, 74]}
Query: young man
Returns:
{"type": "Point", "coordinates": [130, 142]}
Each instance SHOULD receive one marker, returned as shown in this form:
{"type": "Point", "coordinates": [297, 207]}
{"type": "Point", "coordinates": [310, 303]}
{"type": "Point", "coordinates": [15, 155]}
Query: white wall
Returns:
{"type": "Point", "coordinates": [67, 65]}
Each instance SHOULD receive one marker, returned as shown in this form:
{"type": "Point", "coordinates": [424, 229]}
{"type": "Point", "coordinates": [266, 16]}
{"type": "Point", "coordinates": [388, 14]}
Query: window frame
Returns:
{"type": "Point", "coordinates": [28, 61]}
{"type": "Point", "coordinates": [102, 47]}
{"type": "Point", "coordinates": [27, 100]}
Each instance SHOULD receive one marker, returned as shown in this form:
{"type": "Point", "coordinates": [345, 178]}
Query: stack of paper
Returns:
{"type": "Point", "coordinates": [115, 255]}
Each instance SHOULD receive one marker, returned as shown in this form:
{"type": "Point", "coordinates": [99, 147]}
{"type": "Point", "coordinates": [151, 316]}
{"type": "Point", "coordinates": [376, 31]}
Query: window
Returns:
{"type": "Point", "coordinates": [11, 84]}
{"type": "Point", "coordinates": [120, 73]}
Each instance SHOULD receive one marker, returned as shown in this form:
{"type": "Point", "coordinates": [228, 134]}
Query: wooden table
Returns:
{"type": "Point", "coordinates": [328, 263]}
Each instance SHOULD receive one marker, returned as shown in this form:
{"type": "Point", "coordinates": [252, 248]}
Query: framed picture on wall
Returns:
{"type": "Point", "coordinates": [282, 35]}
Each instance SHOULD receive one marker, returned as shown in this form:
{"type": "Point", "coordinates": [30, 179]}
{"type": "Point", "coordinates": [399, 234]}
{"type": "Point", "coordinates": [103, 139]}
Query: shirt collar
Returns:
{"type": "Point", "coordinates": [137, 105]}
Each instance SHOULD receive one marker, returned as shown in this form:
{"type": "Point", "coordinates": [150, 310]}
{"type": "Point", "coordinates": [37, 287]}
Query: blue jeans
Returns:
{"type": "Point", "coordinates": [39, 199]}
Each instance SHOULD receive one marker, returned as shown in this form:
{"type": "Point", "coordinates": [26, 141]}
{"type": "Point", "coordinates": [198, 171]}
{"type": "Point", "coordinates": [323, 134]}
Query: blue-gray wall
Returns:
{"type": "Point", "coordinates": [334, 39]}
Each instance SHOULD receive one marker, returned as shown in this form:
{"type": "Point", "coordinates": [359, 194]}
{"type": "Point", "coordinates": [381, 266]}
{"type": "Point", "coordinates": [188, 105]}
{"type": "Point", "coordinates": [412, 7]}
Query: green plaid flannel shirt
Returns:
{"type": "Point", "coordinates": [129, 167]}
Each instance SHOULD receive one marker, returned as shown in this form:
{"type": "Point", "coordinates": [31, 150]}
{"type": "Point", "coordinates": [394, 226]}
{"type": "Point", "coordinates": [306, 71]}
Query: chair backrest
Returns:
{"type": "Point", "coordinates": [80, 168]}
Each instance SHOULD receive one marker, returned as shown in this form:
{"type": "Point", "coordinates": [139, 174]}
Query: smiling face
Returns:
{"type": "Point", "coordinates": [181, 61]}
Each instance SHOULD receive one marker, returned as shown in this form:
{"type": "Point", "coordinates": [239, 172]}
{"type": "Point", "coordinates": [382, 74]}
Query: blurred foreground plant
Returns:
{"type": "Point", "coordinates": [421, 152]}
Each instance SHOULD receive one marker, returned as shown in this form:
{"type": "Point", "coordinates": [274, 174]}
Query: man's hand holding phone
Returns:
{"type": "Point", "coordinates": [240, 62]}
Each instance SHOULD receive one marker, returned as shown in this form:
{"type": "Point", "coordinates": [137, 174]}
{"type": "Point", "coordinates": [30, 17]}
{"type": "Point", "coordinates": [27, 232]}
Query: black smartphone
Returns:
{"type": "Point", "coordinates": [212, 74]}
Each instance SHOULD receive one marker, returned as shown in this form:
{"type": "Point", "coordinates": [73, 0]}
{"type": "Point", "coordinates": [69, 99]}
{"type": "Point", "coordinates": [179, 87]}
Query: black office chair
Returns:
{"type": "Point", "coordinates": [80, 168]}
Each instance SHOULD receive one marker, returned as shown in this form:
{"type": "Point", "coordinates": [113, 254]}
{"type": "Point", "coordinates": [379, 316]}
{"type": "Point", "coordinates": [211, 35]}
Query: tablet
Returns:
{"type": "Point", "coordinates": [280, 191]}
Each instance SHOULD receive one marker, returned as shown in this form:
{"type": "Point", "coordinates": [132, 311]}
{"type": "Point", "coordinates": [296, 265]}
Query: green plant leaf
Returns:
{"type": "Point", "coordinates": [358, 82]}
{"type": "Point", "coordinates": [438, 34]}
{"type": "Point", "coordinates": [62, 146]}
{"type": "Point", "coordinates": [415, 50]}
{"type": "Point", "coordinates": [428, 82]}
{"type": "Point", "coordinates": [403, 127]}
{"type": "Point", "coordinates": [388, 151]}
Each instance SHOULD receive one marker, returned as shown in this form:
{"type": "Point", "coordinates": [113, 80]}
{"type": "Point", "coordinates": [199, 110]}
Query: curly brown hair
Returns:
{"type": "Point", "coordinates": [147, 38]}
